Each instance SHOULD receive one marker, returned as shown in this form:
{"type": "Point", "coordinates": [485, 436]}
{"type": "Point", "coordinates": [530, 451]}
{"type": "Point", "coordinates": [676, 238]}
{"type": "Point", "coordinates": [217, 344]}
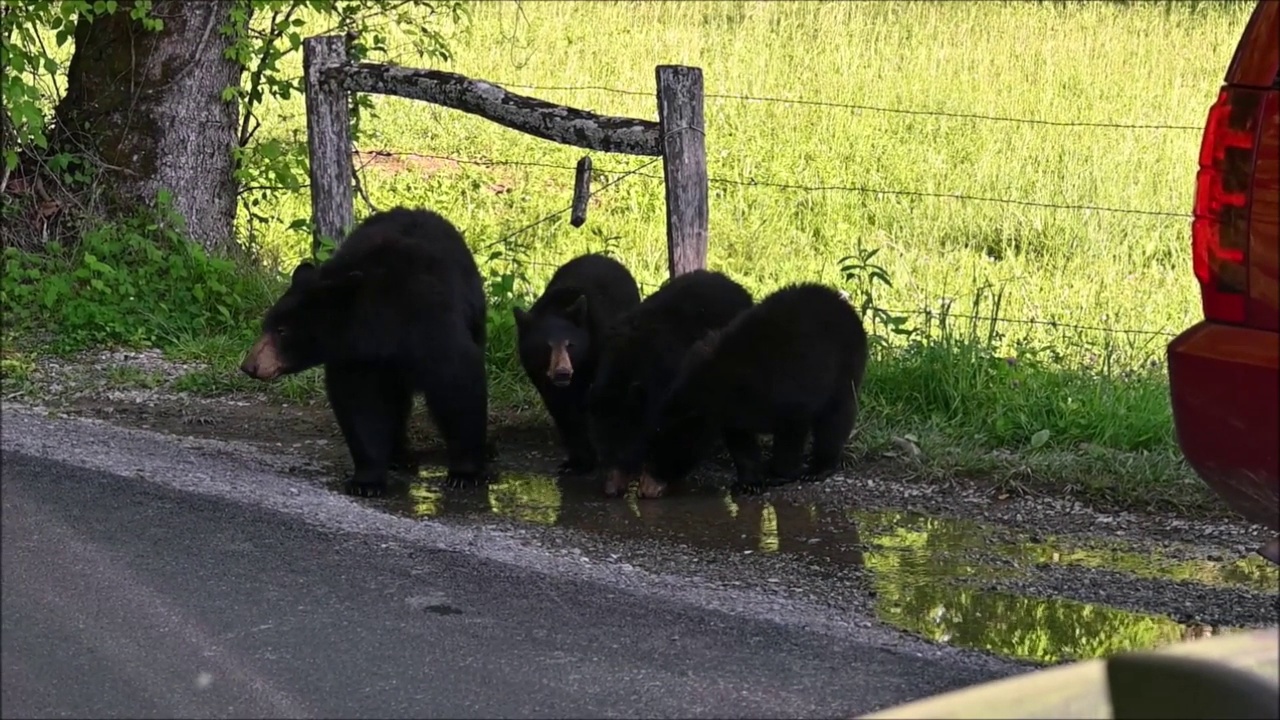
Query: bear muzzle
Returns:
{"type": "Point", "coordinates": [262, 362]}
{"type": "Point", "coordinates": [560, 369]}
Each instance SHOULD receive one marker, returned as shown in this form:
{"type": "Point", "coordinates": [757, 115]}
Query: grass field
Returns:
{"type": "Point", "coordinates": [985, 382]}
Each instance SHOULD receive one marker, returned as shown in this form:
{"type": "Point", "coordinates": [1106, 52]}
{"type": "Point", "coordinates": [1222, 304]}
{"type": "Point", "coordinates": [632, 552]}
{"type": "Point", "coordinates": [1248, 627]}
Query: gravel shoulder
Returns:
{"type": "Point", "coordinates": [952, 562]}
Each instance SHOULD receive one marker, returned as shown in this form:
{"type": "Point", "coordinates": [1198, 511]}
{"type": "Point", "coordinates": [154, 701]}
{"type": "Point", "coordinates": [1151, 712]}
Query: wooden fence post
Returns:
{"type": "Point", "coordinates": [328, 139]}
{"type": "Point", "coordinates": [581, 192]}
{"type": "Point", "coordinates": [682, 139]}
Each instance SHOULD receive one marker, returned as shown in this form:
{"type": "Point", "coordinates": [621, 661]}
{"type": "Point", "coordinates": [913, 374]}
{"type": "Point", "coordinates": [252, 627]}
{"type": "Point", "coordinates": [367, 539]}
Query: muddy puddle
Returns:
{"type": "Point", "coordinates": [965, 582]}
{"type": "Point", "coordinates": [934, 577]}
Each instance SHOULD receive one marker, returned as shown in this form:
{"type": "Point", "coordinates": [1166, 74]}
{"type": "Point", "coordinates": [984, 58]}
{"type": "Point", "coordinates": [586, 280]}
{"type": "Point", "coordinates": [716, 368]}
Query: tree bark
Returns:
{"type": "Point", "coordinates": [148, 105]}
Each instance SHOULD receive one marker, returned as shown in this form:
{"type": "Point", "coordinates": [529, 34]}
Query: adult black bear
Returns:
{"type": "Point", "coordinates": [642, 354]}
{"type": "Point", "coordinates": [399, 308]}
{"type": "Point", "coordinates": [559, 342]}
{"type": "Point", "coordinates": [792, 364]}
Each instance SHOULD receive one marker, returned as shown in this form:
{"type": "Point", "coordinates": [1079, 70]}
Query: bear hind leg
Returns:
{"type": "Point", "coordinates": [744, 448]}
{"type": "Point", "coordinates": [399, 397]}
{"type": "Point", "coordinates": [832, 426]}
{"type": "Point", "coordinates": [457, 399]}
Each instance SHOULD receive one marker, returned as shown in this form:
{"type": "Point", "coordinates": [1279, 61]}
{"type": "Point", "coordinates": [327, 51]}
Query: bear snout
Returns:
{"type": "Point", "coordinates": [560, 368]}
{"type": "Point", "coordinates": [262, 362]}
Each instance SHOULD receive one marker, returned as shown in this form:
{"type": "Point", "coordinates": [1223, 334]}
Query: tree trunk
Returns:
{"type": "Point", "coordinates": [148, 104]}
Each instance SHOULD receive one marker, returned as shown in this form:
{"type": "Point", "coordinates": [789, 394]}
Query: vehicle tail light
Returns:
{"type": "Point", "coordinates": [1220, 224]}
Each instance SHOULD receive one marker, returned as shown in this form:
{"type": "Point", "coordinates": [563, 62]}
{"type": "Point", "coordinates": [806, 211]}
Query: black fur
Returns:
{"type": "Point", "coordinates": [642, 355]}
{"type": "Point", "coordinates": [583, 297]}
{"type": "Point", "coordinates": [399, 308]}
{"type": "Point", "coordinates": [791, 365]}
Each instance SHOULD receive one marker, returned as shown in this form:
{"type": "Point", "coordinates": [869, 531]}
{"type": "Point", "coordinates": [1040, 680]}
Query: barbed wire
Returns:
{"type": "Point", "coordinates": [569, 208]}
{"type": "Point", "coordinates": [944, 315]}
{"type": "Point", "coordinates": [952, 196]}
{"type": "Point", "coordinates": [752, 182]}
{"type": "Point", "coordinates": [484, 163]}
{"type": "Point", "coordinates": [939, 315]}
{"type": "Point", "coordinates": [870, 108]}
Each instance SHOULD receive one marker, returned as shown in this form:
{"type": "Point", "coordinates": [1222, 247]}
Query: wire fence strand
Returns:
{"type": "Point", "coordinates": [939, 315]}
{"type": "Point", "coordinates": [564, 210]}
{"type": "Point", "coordinates": [945, 315]}
{"type": "Point", "coordinates": [872, 108]}
{"type": "Point", "coordinates": [752, 182]}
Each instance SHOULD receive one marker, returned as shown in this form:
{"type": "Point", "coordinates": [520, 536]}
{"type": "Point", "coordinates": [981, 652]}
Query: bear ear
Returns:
{"type": "Point", "coordinates": [303, 275]}
{"type": "Point", "coordinates": [577, 311]}
{"type": "Point", "coordinates": [350, 279]}
{"type": "Point", "coordinates": [521, 316]}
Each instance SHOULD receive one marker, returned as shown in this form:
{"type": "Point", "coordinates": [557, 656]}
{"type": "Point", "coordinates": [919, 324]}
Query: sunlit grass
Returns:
{"type": "Point", "coordinates": [1039, 301]}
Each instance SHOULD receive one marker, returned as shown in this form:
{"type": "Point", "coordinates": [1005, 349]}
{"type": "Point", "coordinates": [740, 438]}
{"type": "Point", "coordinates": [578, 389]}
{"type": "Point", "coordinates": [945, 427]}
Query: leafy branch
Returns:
{"type": "Point", "coordinates": [266, 34]}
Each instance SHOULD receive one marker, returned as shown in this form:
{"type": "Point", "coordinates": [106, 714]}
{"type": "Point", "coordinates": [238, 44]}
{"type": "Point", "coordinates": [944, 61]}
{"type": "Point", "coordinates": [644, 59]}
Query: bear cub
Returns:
{"type": "Point", "coordinates": [789, 367]}
{"type": "Point", "coordinates": [559, 339]}
{"type": "Point", "coordinates": [642, 355]}
{"type": "Point", "coordinates": [398, 309]}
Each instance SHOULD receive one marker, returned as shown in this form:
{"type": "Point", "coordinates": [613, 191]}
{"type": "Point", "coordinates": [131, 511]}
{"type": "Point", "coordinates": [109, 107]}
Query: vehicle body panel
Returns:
{"type": "Point", "coordinates": [1226, 414]}
{"type": "Point", "coordinates": [1224, 379]}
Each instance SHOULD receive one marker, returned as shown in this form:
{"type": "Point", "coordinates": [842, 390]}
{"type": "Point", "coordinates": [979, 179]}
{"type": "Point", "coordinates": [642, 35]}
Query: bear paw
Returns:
{"type": "Point", "coordinates": [459, 478]}
{"type": "Point", "coordinates": [575, 466]}
{"type": "Point", "coordinates": [758, 485]}
{"type": "Point", "coordinates": [651, 488]}
{"type": "Point", "coordinates": [817, 474]}
{"type": "Point", "coordinates": [785, 471]}
{"type": "Point", "coordinates": [404, 460]}
{"type": "Point", "coordinates": [366, 487]}
{"type": "Point", "coordinates": [616, 483]}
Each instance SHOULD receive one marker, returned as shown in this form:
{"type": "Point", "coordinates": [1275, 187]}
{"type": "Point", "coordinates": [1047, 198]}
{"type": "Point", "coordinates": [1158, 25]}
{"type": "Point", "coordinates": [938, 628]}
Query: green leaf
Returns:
{"type": "Point", "coordinates": [1039, 439]}
{"type": "Point", "coordinates": [270, 149]}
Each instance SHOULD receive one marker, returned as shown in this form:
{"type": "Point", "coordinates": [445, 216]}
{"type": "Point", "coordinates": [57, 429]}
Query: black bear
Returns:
{"type": "Point", "coordinates": [791, 365]}
{"type": "Point", "coordinates": [559, 341]}
{"type": "Point", "coordinates": [642, 355]}
{"type": "Point", "coordinates": [399, 308]}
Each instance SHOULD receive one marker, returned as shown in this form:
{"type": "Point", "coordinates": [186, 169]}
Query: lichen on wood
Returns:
{"type": "Point", "coordinates": [328, 140]}
{"type": "Point", "coordinates": [557, 123]}
{"type": "Point", "coordinates": [684, 166]}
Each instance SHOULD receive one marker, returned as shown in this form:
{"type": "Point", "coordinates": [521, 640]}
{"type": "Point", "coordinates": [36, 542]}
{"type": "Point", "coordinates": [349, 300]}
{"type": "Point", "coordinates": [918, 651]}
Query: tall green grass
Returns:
{"type": "Point", "coordinates": [1020, 313]}
{"type": "Point", "coordinates": [1033, 331]}
{"type": "Point", "coordinates": [1088, 62]}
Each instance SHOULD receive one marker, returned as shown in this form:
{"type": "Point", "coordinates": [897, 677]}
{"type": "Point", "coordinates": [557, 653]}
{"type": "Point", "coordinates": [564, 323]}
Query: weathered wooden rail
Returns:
{"type": "Point", "coordinates": [678, 136]}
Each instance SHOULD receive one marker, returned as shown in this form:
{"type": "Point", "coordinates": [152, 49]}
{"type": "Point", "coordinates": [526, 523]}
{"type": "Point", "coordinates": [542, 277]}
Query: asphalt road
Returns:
{"type": "Point", "coordinates": [124, 597]}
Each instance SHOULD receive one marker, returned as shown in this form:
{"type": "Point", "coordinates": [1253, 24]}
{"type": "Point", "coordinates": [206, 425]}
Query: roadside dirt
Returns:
{"type": "Point", "coordinates": [90, 386]}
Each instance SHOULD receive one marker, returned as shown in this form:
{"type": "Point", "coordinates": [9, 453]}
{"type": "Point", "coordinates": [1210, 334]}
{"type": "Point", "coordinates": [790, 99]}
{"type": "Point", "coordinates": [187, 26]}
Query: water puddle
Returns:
{"type": "Point", "coordinates": [938, 578]}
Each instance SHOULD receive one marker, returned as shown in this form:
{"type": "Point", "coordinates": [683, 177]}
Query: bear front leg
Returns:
{"type": "Point", "coordinates": [367, 421]}
{"type": "Point", "coordinates": [457, 398]}
{"type": "Point", "coordinates": [568, 413]}
{"type": "Point", "coordinates": [786, 462]}
{"type": "Point", "coordinates": [832, 427]}
{"type": "Point", "coordinates": [744, 448]}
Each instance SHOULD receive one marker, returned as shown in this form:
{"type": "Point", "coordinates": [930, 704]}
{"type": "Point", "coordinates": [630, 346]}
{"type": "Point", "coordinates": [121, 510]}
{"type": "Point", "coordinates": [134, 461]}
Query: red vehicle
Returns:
{"type": "Point", "coordinates": [1224, 370]}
